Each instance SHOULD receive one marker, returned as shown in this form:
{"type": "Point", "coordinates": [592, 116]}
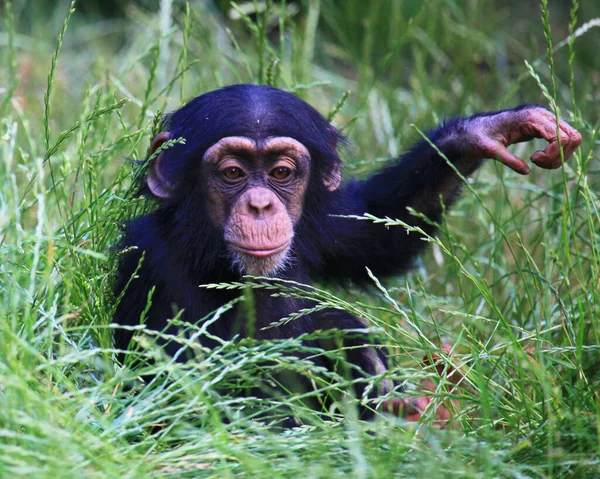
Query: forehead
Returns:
{"type": "Point", "coordinates": [275, 144]}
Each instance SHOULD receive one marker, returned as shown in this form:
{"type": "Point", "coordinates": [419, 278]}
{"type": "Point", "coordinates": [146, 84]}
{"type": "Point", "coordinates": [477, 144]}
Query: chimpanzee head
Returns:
{"type": "Point", "coordinates": [256, 159]}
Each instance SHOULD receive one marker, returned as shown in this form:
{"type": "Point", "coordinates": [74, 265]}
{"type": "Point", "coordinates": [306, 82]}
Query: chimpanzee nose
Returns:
{"type": "Point", "coordinates": [259, 201]}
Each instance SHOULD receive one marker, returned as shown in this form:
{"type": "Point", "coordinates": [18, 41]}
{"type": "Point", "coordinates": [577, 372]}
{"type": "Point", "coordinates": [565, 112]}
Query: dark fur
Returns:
{"type": "Point", "coordinates": [183, 250]}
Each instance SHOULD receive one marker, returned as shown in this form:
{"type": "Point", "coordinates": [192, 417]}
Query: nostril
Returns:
{"type": "Point", "coordinates": [260, 207]}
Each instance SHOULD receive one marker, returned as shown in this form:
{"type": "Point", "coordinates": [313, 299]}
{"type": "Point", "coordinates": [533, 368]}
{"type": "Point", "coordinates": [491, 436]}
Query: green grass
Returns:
{"type": "Point", "coordinates": [512, 282]}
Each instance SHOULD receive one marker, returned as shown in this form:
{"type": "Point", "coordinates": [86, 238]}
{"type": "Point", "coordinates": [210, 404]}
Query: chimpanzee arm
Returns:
{"type": "Point", "coordinates": [422, 179]}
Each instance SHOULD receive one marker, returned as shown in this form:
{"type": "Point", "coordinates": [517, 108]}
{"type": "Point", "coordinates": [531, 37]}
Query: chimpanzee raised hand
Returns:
{"type": "Point", "coordinates": [256, 189]}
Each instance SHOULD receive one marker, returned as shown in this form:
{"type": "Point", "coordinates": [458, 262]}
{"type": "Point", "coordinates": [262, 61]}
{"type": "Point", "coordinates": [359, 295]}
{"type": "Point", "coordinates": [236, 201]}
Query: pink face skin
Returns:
{"type": "Point", "coordinates": [256, 193]}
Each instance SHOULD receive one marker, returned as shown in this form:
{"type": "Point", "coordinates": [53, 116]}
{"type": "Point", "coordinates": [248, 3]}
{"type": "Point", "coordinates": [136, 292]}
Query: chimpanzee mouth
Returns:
{"type": "Point", "coordinates": [265, 262]}
{"type": "Point", "coordinates": [260, 253]}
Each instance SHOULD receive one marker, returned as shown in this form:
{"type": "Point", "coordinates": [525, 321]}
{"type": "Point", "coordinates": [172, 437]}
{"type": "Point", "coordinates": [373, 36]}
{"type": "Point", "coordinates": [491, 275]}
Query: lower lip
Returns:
{"type": "Point", "coordinates": [259, 253]}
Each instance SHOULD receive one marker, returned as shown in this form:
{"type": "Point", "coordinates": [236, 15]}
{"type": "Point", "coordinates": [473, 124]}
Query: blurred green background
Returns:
{"type": "Point", "coordinates": [451, 56]}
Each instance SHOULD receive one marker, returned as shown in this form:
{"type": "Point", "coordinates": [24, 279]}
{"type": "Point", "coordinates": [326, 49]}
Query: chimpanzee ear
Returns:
{"type": "Point", "coordinates": [157, 181]}
{"type": "Point", "coordinates": [333, 179]}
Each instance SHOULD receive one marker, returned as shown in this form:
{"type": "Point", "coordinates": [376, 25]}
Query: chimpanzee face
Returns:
{"type": "Point", "coordinates": [255, 193]}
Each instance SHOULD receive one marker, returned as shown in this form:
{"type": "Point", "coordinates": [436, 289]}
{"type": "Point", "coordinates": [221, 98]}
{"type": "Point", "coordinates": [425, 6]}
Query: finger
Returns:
{"type": "Point", "coordinates": [406, 407]}
{"type": "Point", "coordinates": [501, 154]}
{"type": "Point", "coordinates": [398, 407]}
{"type": "Point", "coordinates": [412, 409]}
{"type": "Point", "coordinates": [574, 139]}
{"type": "Point", "coordinates": [417, 406]}
{"type": "Point", "coordinates": [443, 414]}
{"type": "Point", "coordinates": [549, 158]}
{"type": "Point", "coordinates": [570, 149]}
{"type": "Point", "coordinates": [544, 126]}
{"type": "Point", "coordinates": [449, 371]}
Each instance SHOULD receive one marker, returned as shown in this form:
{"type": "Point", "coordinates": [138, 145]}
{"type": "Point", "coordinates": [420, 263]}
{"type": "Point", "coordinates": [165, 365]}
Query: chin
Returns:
{"type": "Point", "coordinates": [268, 266]}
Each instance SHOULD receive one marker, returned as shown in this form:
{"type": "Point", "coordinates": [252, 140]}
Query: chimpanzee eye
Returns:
{"type": "Point", "coordinates": [233, 173]}
{"type": "Point", "coordinates": [280, 173]}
